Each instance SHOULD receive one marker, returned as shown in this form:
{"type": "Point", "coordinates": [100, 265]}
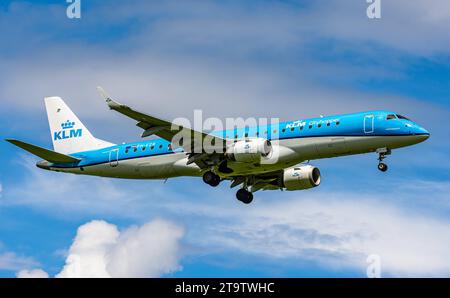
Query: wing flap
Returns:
{"type": "Point", "coordinates": [43, 153]}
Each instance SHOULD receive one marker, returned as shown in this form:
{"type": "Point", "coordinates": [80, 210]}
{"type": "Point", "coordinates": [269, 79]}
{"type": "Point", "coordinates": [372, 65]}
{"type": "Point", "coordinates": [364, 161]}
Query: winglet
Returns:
{"type": "Point", "coordinates": [111, 103]}
{"type": "Point", "coordinates": [103, 93]}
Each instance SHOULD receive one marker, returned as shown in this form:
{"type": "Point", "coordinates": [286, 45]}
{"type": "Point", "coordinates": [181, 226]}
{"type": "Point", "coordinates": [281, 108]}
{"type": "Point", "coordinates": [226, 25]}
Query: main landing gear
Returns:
{"type": "Point", "coordinates": [244, 196]}
{"type": "Point", "coordinates": [211, 178]}
{"type": "Point", "coordinates": [381, 156]}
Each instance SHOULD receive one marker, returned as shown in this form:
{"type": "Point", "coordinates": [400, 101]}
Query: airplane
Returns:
{"type": "Point", "coordinates": [267, 157]}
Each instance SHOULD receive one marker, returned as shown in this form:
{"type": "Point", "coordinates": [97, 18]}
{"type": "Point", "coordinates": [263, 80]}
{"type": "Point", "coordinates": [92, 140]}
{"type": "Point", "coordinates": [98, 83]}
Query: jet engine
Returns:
{"type": "Point", "coordinates": [303, 177]}
{"type": "Point", "coordinates": [249, 150]}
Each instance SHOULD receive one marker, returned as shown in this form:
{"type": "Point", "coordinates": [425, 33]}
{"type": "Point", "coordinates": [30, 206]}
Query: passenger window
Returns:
{"type": "Point", "coordinates": [391, 116]}
{"type": "Point", "coordinates": [310, 126]}
{"type": "Point", "coordinates": [152, 147]}
{"type": "Point", "coordinates": [328, 124]}
{"type": "Point", "coordinates": [126, 151]}
{"type": "Point", "coordinates": [246, 135]}
{"type": "Point", "coordinates": [301, 127]}
{"type": "Point", "coordinates": [160, 146]}
{"type": "Point", "coordinates": [134, 149]}
{"type": "Point", "coordinates": [283, 130]}
{"type": "Point", "coordinates": [143, 148]}
{"type": "Point", "coordinates": [319, 125]}
{"type": "Point", "coordinates": [337, 123]}
{"type": "Point", "coordinates": [292, 129]}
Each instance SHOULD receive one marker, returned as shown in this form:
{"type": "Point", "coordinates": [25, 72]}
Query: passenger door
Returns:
{"type": "Point", "coordinates": [369, 121]}
{"type": "Point", "coordinates": [114, 157]}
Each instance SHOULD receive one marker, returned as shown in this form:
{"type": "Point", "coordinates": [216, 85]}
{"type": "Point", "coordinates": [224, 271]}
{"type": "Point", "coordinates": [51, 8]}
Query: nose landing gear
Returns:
{"type": "Point", "coordinates": [382, 153]}
{"type": "Point", "coordinates": [382, 167]}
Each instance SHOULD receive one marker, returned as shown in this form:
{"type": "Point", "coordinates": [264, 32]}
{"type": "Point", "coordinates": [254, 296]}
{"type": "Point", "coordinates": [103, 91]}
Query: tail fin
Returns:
{"type": "Point", "coordinates": [68, 133]}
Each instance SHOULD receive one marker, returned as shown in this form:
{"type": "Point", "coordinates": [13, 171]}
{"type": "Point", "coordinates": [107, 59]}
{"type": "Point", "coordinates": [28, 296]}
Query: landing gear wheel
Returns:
{"type": "Point", "coordinates": [244, 196]}
{"type": "Point", "coordinates": [211, 179]}
{"type": "Point", "coordinates": [215, 182]}
{"type": "Point", "coordinates": [382, 167]}
{"type": "Point", "coordinates": [382, 153]}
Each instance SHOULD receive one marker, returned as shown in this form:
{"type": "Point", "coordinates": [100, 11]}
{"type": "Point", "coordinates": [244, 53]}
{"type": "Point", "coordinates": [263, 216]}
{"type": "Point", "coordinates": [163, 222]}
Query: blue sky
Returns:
{"type": "Point", "coordinates": [287, 59]}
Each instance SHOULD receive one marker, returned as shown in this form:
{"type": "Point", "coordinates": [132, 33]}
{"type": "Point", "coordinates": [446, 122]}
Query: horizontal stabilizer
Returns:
{"type": "Point", "coordinates": [43, 153]}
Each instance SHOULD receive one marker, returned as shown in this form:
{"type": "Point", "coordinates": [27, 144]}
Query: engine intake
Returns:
{"type": "Point", "coordinates": [249, 150]}
{"type": "Point", "coordinates": [303, 177]}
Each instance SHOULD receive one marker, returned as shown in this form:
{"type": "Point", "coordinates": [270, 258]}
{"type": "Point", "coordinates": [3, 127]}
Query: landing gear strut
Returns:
{"type": "Point", "coordinates": [211, 178]}
{"type": "Point", "coordinates": [244, 196]}
{"type": "Point", "coordinates": [381, 156]}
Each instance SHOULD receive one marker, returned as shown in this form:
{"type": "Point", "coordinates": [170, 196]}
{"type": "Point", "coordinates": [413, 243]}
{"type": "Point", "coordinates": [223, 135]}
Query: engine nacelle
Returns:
{"type": "Point", "coordinates": [303, 177]}
{"type": "Point", "coordinates": [249, 150]}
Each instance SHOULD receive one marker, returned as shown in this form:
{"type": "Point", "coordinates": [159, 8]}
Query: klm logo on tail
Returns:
{"type": "Point", "coordinates": [67, 131]}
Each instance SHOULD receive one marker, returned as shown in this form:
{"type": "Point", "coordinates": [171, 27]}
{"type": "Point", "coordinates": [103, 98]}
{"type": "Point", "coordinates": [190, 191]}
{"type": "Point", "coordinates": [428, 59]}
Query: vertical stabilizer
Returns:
{"type": "Point", "coordinates": [68, 133]}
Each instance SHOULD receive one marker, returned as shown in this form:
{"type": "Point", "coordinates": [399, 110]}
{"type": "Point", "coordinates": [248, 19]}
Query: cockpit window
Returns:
{"type": "Point", "coordinates": [391, 116]}
{"type": "Point", "coordinates": [402, 117]}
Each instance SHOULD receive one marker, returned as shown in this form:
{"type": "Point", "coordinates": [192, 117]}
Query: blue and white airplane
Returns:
{"type": "Point", "coordinates": [256, 158]}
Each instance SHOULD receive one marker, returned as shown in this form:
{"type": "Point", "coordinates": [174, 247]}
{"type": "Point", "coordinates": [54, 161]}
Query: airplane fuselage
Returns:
{"type": "Point", "coordinates": [296, 142]}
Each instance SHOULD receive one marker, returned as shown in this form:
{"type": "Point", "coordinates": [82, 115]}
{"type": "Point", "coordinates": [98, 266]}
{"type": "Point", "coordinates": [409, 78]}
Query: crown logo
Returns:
{"type": "Point", "coordinates": [67, 125]}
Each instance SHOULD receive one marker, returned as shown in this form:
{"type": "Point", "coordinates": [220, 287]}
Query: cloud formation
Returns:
{"type": "Point", "coordinates": [180, 57]}
{"type": "Point", "coordinates": [330, 226]}
{"type": "Point", "coordinates": [34, 273]}
{"type": "Point", "coordinates": [335, 230]}
{"type": "Point", "coordinates": [226, 59]}
{"type": "Point", "coordinates": [101, 250]}
{"type": "Point", "coordinates": [412, 27]}
{"type": "Point", "coordinates": [12, 261]}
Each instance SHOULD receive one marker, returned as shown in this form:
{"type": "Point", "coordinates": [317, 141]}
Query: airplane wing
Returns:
{"type": "Point", "coordinates": [43, 153]}
{"type": "Point", "coordinates": [200, 146]}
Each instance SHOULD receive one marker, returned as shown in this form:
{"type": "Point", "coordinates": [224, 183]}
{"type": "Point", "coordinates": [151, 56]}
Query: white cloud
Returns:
{"type": "Point", "coordinates": [418, 27]}
{"type": "Point", "coordinates": [341, 231]}
{"type": "Point", "coordinates": [100, 250]}
{"type": "Point", "coordinates": [11, 261]}
{"type": "Point", "coordinates": [87, 254]}
{"type": "Point", "coordinates": [335, 230]}
{"type": "Point", "coordinates": [146, 251]}
{"type": "Point", "coordinates": [34, 273]}
{"type": "Point", "coordinates": [165, 61]}
{"type": "Point", "coordinates": [65, 192]}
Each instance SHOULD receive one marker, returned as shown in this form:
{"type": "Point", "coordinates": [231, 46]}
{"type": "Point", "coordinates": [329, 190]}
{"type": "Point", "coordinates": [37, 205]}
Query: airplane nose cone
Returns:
{"type": "Point", "coordinates": [423, 137]}
{"type": "Point", "coordinates": [421, 134]}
